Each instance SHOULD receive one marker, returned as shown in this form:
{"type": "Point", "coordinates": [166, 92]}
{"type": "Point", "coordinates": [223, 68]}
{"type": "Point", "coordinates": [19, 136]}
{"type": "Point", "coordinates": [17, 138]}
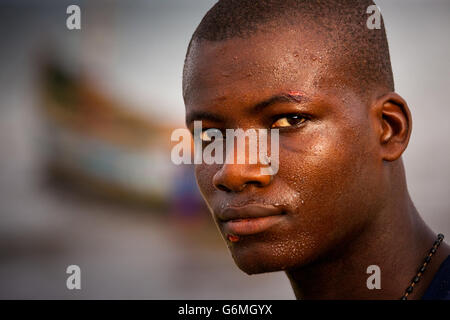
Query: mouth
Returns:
{"type": "Point", "coordinates": [249, 219]}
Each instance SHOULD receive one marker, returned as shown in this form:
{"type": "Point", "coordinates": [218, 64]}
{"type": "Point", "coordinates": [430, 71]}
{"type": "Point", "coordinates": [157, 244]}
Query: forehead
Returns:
{"type": "Point", "coordinates": [263, 64]}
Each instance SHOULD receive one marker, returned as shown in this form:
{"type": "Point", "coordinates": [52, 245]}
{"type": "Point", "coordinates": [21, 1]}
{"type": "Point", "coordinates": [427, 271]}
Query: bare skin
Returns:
{"type": "Point", "coordinates": [340, 190]}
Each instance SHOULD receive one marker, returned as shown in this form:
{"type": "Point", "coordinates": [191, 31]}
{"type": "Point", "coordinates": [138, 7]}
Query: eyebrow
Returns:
{"type": "Point", "coordinates": [292, 96]}
{"type": "Point", "coordinates": [202, 115]}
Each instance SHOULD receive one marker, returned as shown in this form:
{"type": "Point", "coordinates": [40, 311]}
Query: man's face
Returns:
{"type": "Point", "coordinates": [329, 182]}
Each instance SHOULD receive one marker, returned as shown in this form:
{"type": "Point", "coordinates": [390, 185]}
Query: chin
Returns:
{"type": "Point", "coordinates": [254, 257]}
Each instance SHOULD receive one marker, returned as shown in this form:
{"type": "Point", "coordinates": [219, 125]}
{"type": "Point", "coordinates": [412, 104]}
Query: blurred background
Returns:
{"type": "Point", "coordinates": [85, 171]}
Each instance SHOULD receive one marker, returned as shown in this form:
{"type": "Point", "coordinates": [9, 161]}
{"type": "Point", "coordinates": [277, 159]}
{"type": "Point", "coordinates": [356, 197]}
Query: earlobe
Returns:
{"type": "Point", "coordinates": [396, 124]}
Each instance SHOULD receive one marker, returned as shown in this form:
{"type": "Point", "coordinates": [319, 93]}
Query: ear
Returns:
{"type": "Point", "coordinates": [395, 124]}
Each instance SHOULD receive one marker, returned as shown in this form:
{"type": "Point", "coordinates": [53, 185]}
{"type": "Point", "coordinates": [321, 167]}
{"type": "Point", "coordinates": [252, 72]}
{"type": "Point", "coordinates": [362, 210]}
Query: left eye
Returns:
{"type": "Point", "coordinates": [210, 134]}
{"type": "Point", "coordinates": [289, 121]}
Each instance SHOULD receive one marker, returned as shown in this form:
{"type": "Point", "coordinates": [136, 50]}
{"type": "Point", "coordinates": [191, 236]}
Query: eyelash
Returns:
{"type": "Point", "coordinates": [304, 117]}
{"type": "Point", "coordinates": [274, 120]}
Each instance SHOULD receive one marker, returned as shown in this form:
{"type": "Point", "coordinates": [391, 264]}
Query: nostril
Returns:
{"type": "Point", "coordinates": [221, 187]}
{"type": "Point", "coordinates": [256, 183]}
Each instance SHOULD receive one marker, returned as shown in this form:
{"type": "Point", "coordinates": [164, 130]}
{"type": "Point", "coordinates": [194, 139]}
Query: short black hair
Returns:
{"type": "Point", "coordinates": [364, 52]}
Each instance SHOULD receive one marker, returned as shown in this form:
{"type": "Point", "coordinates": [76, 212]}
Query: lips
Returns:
{"type": "Point", "coordinates": [249, 219]}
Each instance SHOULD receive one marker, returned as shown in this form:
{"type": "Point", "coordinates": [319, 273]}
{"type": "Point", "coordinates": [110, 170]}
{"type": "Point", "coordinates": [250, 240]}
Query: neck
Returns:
{"type": "Point", "coordinates": [396, 241]}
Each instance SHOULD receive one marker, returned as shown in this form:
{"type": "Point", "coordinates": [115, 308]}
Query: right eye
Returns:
{"type": "Point", "coordinates": [289, 121]}
{"type": "Point", "coordinates": [210, 134]}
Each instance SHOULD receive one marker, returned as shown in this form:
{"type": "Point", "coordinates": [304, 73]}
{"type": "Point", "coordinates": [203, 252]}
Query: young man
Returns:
{"type": "Point", "coordinates": [338, 205]}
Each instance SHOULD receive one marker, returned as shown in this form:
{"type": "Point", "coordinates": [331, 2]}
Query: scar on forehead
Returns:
{"type": "Point", "coordinates": [296, 95]}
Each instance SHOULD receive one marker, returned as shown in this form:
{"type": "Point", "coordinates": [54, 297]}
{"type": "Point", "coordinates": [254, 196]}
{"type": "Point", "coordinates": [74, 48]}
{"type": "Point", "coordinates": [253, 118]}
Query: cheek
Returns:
{"type": "Point", "coordinates": [322, 161]}
{"type": "Point", "coordinates": [204, 175]}
{"type": "Point", "coordinates": [330, 172]}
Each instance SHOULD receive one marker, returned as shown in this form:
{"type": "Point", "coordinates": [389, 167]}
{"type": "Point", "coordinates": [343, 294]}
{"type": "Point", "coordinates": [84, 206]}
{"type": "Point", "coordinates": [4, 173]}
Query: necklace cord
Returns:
{"type": "Point", "coordinates": [423, 267]}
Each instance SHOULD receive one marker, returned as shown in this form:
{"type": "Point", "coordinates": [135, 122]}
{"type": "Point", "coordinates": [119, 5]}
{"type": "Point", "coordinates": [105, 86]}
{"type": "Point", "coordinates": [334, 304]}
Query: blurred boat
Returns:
{"type": "Point", "coordinates": [102, 147]}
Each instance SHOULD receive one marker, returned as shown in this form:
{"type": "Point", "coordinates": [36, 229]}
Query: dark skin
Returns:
{"type": "Point", "coordinates": [341, 181]}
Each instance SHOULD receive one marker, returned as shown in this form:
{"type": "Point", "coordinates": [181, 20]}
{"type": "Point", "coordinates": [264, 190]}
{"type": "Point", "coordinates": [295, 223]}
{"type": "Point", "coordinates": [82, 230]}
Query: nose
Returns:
{"type": "Point", "coordinates": [236, 177]}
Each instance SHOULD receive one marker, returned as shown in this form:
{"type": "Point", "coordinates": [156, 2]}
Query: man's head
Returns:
{"type": "Point", "coordinates": [313, 70]}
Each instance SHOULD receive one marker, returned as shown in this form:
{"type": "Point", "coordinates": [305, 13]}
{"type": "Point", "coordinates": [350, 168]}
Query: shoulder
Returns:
{"type": "Point", "coordinates": [439, 289]}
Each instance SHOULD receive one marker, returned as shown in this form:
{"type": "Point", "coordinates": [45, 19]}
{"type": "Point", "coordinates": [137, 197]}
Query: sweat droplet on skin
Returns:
{"type": "Point", "coordinates": [232, 238]}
